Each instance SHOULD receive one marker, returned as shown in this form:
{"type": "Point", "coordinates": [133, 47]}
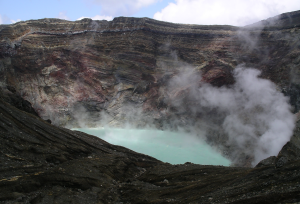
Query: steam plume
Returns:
{"type": "Point", "coordinates": [255, 116]}
{"type": "Point", "coordinates": [249, 118]}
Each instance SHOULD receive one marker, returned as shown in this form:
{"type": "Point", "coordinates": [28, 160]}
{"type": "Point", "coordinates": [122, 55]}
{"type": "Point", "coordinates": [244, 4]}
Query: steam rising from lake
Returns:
{"type": "Point", "coordinates": [248, 119]}
{"type": "Point", "coordinates": [254, 116]}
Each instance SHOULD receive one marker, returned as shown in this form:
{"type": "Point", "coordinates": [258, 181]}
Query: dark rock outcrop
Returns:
{"type": "Point", "coordinates": [290, 152]}
{"type": "Point", "coordinates": [10, 96]}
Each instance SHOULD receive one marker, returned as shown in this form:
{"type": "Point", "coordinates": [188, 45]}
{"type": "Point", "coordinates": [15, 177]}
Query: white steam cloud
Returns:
{"type": "Point", "coordinates": [256, 118]}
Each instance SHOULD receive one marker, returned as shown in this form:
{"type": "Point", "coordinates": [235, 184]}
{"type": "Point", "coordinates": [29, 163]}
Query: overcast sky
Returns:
{"type": "Point", "coordinates": [230, 12]}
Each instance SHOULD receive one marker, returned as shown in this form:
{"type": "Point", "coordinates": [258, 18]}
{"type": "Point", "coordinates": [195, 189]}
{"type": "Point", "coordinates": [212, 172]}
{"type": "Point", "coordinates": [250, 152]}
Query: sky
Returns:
{"type": "Point", "coordinates": [202, 12]}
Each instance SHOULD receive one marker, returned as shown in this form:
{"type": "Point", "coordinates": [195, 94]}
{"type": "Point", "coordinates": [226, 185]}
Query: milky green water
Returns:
{"type": "Point", "coordinates": [171, 147]}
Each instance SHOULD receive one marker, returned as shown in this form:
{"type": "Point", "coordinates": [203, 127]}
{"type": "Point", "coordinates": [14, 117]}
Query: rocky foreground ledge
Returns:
{"type": "Point", "coordinates": [42, 163]}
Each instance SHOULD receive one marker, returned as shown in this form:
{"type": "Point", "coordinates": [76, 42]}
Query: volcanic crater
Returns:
{"type": "Point", "coordinates": [57, 74]}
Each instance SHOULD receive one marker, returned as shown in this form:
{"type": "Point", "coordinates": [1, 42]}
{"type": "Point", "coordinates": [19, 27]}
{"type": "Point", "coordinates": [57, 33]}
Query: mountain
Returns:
{"type": "Point", "coordinates": [148, 73]}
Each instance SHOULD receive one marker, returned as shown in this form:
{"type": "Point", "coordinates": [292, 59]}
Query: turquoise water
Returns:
{"type": "Point", "coordinates": [171, 147]}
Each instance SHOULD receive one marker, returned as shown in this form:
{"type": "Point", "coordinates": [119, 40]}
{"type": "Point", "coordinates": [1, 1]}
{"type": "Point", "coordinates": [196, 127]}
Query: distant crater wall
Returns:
{"type": "Point", "coordinates": [99, 66]}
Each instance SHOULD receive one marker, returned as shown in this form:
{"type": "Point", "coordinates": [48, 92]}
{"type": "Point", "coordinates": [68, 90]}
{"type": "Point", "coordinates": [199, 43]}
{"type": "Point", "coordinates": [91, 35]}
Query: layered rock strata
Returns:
{"type": "Point", "coordinates": [99, 66]}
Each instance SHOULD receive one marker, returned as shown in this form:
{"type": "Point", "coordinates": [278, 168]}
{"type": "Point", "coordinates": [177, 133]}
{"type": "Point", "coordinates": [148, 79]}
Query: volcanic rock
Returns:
{"type": "Point", "coordinates": [42, 163]}
{"type": "Point", "coordinates": [10, 96]}
{"type": "Point", "coordinates": [72, 72]}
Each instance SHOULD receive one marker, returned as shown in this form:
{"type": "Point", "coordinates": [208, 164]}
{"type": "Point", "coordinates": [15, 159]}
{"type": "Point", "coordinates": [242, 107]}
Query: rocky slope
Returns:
{"type": "Point", "coordinates": [42, 163]}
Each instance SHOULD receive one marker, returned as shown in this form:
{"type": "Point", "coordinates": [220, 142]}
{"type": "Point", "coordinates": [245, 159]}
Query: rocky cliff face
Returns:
{"type": "Point", "coordinates": [99, 66]}
{"type": "Point", "coordinates": [94, 72]}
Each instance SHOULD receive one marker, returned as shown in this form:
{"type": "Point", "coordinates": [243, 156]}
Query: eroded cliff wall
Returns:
{"type": "Point", "coordinates": [98, 65]}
